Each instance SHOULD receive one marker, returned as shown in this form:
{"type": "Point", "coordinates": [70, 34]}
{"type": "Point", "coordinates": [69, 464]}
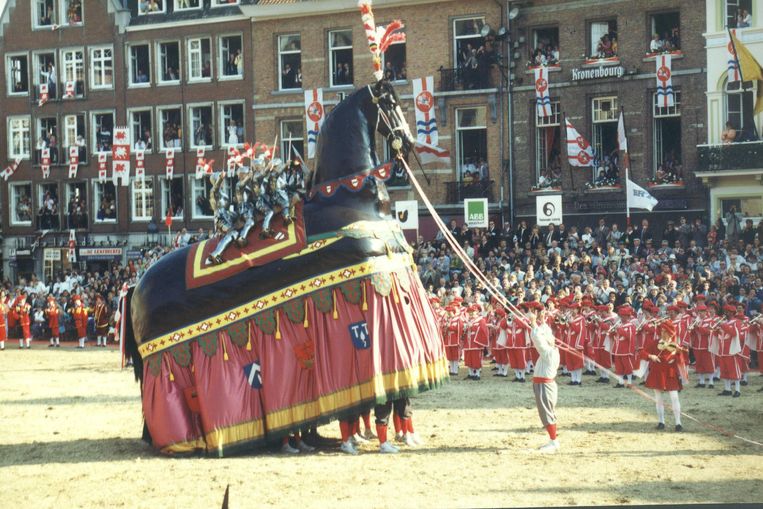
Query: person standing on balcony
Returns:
{"type": "Point", "coordinates": [729, 134]}
{"type": "Point", "coordinates": [733, 219]}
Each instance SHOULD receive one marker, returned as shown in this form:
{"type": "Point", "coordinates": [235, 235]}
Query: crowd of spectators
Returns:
{"type": "Point", "coordinates": [669, 171]}
{"type": "Point", "coordinates": [606, 171]}
{"type": "Point", "coordinates": [474, 66]}
{"type": "Point", "coordinates": [607, 46]}
{"type": "Point", "coordinates": [545, 54]}
{"type": "Point", "coordinates": [666, 43]}
{"type": "Point", "coordinates": [607, 263]}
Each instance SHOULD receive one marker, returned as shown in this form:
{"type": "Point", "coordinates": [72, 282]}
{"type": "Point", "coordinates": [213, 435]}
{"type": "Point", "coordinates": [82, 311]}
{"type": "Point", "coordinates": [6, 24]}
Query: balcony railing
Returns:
{"type": "Point", "coordinates": [730, 156]}
{"type": "Point", "coordinates": [457, 191]}
{"type": "Point", "coordinates": [464, 79]}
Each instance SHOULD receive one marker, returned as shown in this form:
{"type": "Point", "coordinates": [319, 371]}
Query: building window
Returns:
{"type": "Point", "coordinates": [44, 14]}
{"type": "Point", "coordinates": [19, 137]}
{"type": "Point", "coordinates": [199, 59]}
{"type": "Point", "coordinates": [140, 65]}
{"type": "Point", "coordinates": [666, 156]}
{"type": "Point", "coordinates": [74, 136]}
{"type": "Point", "coordinates": [169, 62]}
{"type": "Point", "coordinates": [101, 68]}
{"type": "Point", "coordinates": [748, 206]}
{"type": "Point", "coordinates": [172, 197]}
{"type": "Point", "coordinates": [292, 138]}
{"type": "Point", "coordinates": [739, 13]}
{"type": "Point", "coordinates": [17, 72]}
{"type": "Point", "coordinates": [151, 6]}
{"type": "Point", "coordinates": [395, 65]}
{"type": "Point", "coordinates": [548, 149]}
{"type": "Point", "coordinates": [545, 47]}
{"type": "Point", "coordinates": [471, 145]}
{"type": "Point", "coordinates": [740, 111]}
{"type": "Point", "coordinates": [20, 203]}
{"type": "Point", "coordinates": [74, 71]}
{"type": "Point", "coordinates": [231, 57]}
{"type": "Point", "coordinates": [603, 39]}
{"type": "Point", "coordinates": [47, 137]}
{"type": "Point", "coordinates": [200, 189]}
{"type": "Point", "coordinates": [222, 3]}
{"type": "Point", "coordinates": [170, 127]}
{"type": "Point", "coordinates": [605, 166]}
{"type": "Point", "coordinates": [201, 128]}
{"type": "Point", "coordinates": [104, 202]}
{"type": "Point", "coordinates": [48, 216]}
{"type": "Point", "coordinates": [103, 128]}
{"type": "Point", "coordinates": [46, 72]}
{"type": "Point", "coordinates": [289, 62]}
{"type": "Point", "coordinates": [340, 52]}
{"type": "Point", "coordinates": [232, 124]}
{"type": "Point", "coordinates": [665, 34]}
{"type": "Point", "coordinates": [140, 129]}
{"type": "Point", "coordinates": [72, 11]}
{"type": "Point", "coordinates": [468, 47]}
{"type": "Point", "coordinates": [76, 205]}
{"type": "Point", "coordinates": [142, 192]}
{"type": "Point", "coordinates": [184, 5]}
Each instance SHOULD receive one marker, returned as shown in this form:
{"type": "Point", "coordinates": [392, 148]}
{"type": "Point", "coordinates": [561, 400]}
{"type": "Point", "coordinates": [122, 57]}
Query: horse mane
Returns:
{"type": "Point", "coordinates": [346, 144]}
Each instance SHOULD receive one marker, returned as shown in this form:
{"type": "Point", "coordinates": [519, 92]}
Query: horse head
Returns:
{"type": "Point", "coordinates": [392, 123]}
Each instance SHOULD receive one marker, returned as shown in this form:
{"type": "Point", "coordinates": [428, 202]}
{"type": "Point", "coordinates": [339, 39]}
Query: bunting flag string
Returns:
{"type": "Point", "coordinates": [102, 172]}
{"type": "Point", "coordinates": [314, 115]}
{"type": "Point", "coordinates": [140, 169]}
{"type": "Point", "coordinates": [169, 163]}
{"type": "Point", "coordinates": [426, 120]}
{"type": "Point", "coordinates": [235, 160]}
{"type": "Point", "coordinates": [542, 98]}
{"type": "Point", "coordinates": [353, 183]}
{"type": "Point", "coordinates": [665, 98]}
{"type": "Point", "coordinates": [73, 161]}
{"type": "Point", "coordinates": [44, 94]}
{"type": "Point", "coordinates": [11, 169]}
{"type": "Point", "coordinates": [120, 156]}
{"type": "Point", "coordinates": [732, 63]}
{"type": "Point", "coordinates": [45, 162]}
{"type": "Point", "coordinates": [579, 151]}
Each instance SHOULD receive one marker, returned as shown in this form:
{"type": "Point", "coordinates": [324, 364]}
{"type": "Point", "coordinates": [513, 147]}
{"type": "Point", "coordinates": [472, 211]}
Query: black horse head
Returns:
{"type": "Point", "coordinates": [346, 143]}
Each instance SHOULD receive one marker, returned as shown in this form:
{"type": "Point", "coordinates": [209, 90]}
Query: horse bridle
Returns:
{"type": "Point", "coordinates": [395, 141]}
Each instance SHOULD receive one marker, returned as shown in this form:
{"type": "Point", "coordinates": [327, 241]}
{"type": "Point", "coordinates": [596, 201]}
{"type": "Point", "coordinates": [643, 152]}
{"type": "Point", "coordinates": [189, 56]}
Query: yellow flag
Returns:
{"type": "Point", "coordinates": [750, 69]}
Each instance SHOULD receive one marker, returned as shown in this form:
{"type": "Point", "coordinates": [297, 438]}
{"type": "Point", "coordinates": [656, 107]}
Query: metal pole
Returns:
{"type": "Point", "coordinates": [510, 108]}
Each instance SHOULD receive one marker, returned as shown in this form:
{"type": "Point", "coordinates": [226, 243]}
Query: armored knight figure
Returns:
{"type": "Point", "coordinates": [278, 188]}
{"type": "Point", "coordinates": [264, 205]}
{"type": "Point", "coordinates": [295, 185]}
{"type": "Point", "coordinates": [226, 217]}
{"type": "Point", "coordinates": [245, 203]}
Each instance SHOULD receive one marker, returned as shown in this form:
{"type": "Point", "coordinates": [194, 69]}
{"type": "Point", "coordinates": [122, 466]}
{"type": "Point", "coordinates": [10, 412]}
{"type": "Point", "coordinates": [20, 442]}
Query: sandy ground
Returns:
{"type": "Point", "coordinates": [71, 438]}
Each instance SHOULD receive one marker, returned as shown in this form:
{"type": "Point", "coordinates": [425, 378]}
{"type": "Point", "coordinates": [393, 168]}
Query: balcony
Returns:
{"type": "Point", "coordinates": [457, 191]}
{"type": "Point", "coordinates": [745, 155]}
{"type": "Point", "coordinates": [464, 79]}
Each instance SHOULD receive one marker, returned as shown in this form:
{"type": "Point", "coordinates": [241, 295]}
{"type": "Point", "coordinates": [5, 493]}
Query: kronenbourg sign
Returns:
{"type": "Point", "coordinates": [476, 212]}
{"type": "Point", "coordinates": [407, 214]}
{"type": "Point", "coordinates": [549, 209]}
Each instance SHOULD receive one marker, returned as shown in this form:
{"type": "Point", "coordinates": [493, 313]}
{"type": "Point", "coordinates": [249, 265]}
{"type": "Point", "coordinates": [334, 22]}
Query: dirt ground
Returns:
{"type": "Point", "coordinates": [71, 438]}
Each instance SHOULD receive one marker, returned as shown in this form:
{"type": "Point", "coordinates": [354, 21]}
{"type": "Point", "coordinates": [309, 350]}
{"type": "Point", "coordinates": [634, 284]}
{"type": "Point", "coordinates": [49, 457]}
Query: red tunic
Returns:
{"type": "Point", "coordinates": [454, 331]}
{"type": "Point", "coordinates": [664, 375]}
{"type": "Point", "coordinates": [53, 314]}
{"type": "Point", "coordinates": [22, 315]}
{"type": "Point", "coordinates": [603, 356]}
{"type": "Point", "coordinates": [500, 352]}
{"type": "Point", "coordinates": [80, 321]}
{"type": "Point", "coordinates": [476, 339]}
{"type": "Point", "coordinates": [516, 343]}
{"type": "Point", "coordinates": [101, 317]}
{"type": "Point", "coordinates": [3, 314]}
{"type": "Point", "coordinates": [576, 339]}
{"type": "Point", "coordinates": [624, 348]}
{"type": "Point", "coordinates": [727, 348]}
{"type": "Point", "coordinates": [704, 360]}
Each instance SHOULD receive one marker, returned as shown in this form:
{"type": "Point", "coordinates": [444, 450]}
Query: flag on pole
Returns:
{"type": "Point", "coordinates": [120, 156]}
{"type": "Point", "coordinates": [579, 151]}
{"type": "Point", "coordinates": [45, 162]}
{"type": "Point", "coordinates": [749, 68]}
{"type": "Point", "coordinates": [169, 163]}
{"type": "Point", "coordinates": [638, 198]}
{"type": "Point", "coordinates": [431, 154]}
{"type": "Point", "coordinates": [102, 173]}
{"type": "Point", "coordinates": [140, 169]}
{"type": "Point", "coordinates": [314, 116]}
{"type": "Point", "coordinates": [73, 161]}
{"type": "Point", "coordinates": [72, 246]}
{"type": "Point", "coordinates": [732, 64]}
{"type": "Point", "coordinates": [426, 120]}
{"type": "Point", "coordinates": [542, 99]}
{"type": "Point", "coordinates": [665, 97]}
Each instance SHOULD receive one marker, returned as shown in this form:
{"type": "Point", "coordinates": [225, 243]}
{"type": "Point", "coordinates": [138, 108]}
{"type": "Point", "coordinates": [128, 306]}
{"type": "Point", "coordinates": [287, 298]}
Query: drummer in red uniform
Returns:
{"type": "Point", "coordinates": [52, 313]}
{"type": "Point", "coordinates": [80, 320]}
{"type": "Point", "coordinates": [665, 364]}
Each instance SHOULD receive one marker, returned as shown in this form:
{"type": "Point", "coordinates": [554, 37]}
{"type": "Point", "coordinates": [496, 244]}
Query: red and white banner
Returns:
{"type": "Point", "coordinates": [732, 62]}
{"type": "Point", "coordinates": [426, 120]}
{"type": "Point", "coordinates": [664, 71]}
{"type": "Point", "coordinates": [431, 154]}
{"type": "Point", "coordinates": [10, 170]}
{"type": "Point", "coordinates": [314, 116]}
{"type": "Point", "coordinates": [200, 163]}
{"type": "Point", "coordinates": [579, 151]}
{"type": "Point", "coordinates": [69, 90]}
{"type": "Point", "coordinates": [120, 156]}
{"type": "Point", "coordinates": [542, 99]}
{"type": "Point", "coordinates": [169, 163]}
{"type": "Point", "coordinates": [45, 162]}
{"type": "Point", "coordinates": [102, 171]}
{"type": "Point", "coordinates": [72, 246]}
{"type": "Point", "coordinates": [44, 95]}
{"type": "Point", "coordinates": [140, 169]}
{"type": "Point", "coordinates": [73, 161]}
{"type": "Point", "coordinates": [234, 161]}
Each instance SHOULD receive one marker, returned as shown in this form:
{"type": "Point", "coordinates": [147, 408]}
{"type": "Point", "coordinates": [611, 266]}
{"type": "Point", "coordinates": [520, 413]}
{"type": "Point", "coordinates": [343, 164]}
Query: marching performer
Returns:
{"type": "Point", "coordinates": [704, 361]}
{"type": "Point", "coordinates": [576, 338]}
{"type": "Point", "coordinates": [517, 347]}
{"type": "Point", "coordinates": [603, 346]}
{"type": "Point", "coordinates": [101, 317]}
{"type": "Point", "coordinates": [743, 357]}
{"type": "Point", "coordinates": [726, 346]}
{"type": "Point", "coordinates": [454, 331]}
{"type": "Point", "coordinates": [544, 385]}
{"type": "Point", "coordinates": [3, 320]}
{"type": "Point", "coordinates": [664, 366]}
{"type": "Point", "coordinates": [475, 341]}
{"type": "Point", "coordinates": [53, 313]}
{"type": "Point", "coordinates": [79, 314]}
{"type": "Point", "coordinates": [624, 347]}
{"type": "Point", "coordinates": [22, 311]}
{"type": "Point", "coordinates": [589, 313]}
{"type": "Point", "coordinates": [500, 350]}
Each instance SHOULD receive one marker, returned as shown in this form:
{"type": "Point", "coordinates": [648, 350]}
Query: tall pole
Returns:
{"type": "Point", "coordinates": [510, 108]}
{"type": "Point", "coordinates": [627, 199]}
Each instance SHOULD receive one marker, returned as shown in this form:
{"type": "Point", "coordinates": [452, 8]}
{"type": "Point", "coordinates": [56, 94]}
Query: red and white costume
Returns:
{"type": "Point", "coordinates": [575, 334]}
{"type": "Point", "coordinates": [53, 313]}
{"type": "Point", "coordinates": [475, 340]}
{"type": "Point", "coordinates": [454, 331]}
{"type": "Point", "coordinates": [22, 311]}
{"type": "Point", "coordinates": [624, 346]}
{"type": "Point", "coordinates": [79, 314]}
{"type": "Point", "coordinates": [704, 360]}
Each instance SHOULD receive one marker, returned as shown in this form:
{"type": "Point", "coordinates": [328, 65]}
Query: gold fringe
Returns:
{"type": "Point", "coordinates": [249, 337]}
{"type": "Point", "coordinates": [225, 346]}
{"type": "Point", "coordinates": [305, 324]}
{"type": "Point", "coordinates": [333, 300]}
{"type": "Point", "coordinates": [394, 289]}
{"type": "Point", "coordinates": [365, 302]}
{"type": "Point", "coordinates": [169, 368]}
{"type": "Point", "coordinates": [278, 326]}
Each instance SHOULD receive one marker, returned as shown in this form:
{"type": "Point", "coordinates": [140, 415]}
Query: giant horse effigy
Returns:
{"type": "Point", "coordinates": [319, 320]}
